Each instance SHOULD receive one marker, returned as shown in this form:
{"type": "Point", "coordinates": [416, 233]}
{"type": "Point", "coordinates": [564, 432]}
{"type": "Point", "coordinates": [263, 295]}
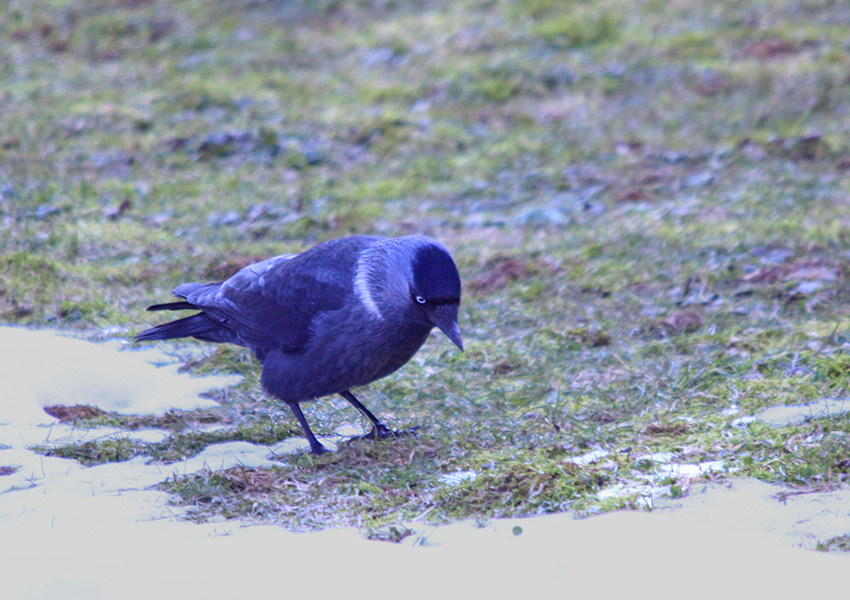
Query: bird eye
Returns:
{"type": "Point", "coordinates": [420, 299]}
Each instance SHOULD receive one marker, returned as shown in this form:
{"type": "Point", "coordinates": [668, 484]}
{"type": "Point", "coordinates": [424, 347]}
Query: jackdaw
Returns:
{"type": "Point", "coordinates": [340, 315]}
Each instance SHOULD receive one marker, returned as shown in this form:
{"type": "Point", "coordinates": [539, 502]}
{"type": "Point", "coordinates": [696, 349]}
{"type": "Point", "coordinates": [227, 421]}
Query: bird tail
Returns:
{"type": "Point", "coordinates": [198, 326]}
{"type": "Point", "coordinates": [172, 306]}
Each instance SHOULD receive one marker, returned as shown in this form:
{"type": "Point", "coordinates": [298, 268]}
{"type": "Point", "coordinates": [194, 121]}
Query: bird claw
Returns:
{"type": "Point", "coordinates": [382, 432]}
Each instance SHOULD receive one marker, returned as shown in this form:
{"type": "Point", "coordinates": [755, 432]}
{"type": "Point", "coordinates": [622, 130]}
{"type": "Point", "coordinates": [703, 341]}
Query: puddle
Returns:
{"type": "Point", "coordinates": [782, 416]}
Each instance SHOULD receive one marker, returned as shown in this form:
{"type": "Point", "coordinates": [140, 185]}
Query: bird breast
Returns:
{"type": "Point", "coordinates": [345, 351]}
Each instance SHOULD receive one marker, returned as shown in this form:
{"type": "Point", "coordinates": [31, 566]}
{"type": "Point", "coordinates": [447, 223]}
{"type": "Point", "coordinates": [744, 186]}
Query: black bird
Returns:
{"type": "Point", "coordinates": [340, 315]}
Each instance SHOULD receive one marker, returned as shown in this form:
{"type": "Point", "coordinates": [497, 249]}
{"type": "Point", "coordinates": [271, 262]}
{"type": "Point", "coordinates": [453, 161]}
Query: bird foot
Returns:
{"type": "Point", "coordinates": [382, 432]}
{"type": "Point", "coordinates": [318, 449]}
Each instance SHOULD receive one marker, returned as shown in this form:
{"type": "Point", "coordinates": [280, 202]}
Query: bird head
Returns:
{"type": "Point", "coordinates": [435, 287]}
{"type": "Point", "coordinates": [412, 277]}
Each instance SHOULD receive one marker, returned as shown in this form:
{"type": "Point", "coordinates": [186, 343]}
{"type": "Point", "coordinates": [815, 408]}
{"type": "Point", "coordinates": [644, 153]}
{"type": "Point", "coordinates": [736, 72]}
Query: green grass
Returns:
{"type": "Point", "coordinates": [646, 202]}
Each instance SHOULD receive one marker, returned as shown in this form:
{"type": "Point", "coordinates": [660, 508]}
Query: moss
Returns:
{"type": "Point", "coordinates": [98, 452]}
{"type": "Point", "coordinates": [518, 489]}
{"type": "Point", "coordinates": [577, 29]}
{"type": "Point", "coordinates": [497, 88]}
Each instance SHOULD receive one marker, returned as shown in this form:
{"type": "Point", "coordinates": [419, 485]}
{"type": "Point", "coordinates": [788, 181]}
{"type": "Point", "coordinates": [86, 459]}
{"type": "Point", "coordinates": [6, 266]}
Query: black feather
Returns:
{"type": "Point", "coordinates": [199, 326]}
{"type": "Point", "coordinates": [172, 306]}
{"type": "Point", "coordinates": [310, 322]}
{"type": "Point", "coordinates": [435, 275]}
{"type": "Point", "coordinates": [269, 305]}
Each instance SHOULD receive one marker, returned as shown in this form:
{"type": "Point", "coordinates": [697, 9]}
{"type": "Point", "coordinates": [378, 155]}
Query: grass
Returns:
{"type": "Point", "coordinates": [645, 200]}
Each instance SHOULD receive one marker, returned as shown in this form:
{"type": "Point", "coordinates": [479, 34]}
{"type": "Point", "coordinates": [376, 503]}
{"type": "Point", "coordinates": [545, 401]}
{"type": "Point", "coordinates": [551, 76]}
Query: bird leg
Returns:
{"type": "Point", "coordinates": [315, 446]}
{"type": "Point", "coordinates": [379, 429]}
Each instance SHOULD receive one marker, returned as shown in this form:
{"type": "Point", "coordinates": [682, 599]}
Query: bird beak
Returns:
{"type": "Point", "coordinates": [444, 316]}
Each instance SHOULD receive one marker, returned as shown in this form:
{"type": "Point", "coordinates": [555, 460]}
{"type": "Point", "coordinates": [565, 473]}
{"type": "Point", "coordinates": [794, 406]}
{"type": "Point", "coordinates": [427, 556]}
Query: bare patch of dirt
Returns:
{"type": "Point", "coordinates": [73, 413]}
{"type": "Point", "coordinates": [673, 429]}
{"type": "Point", "coordinates": [501, 271]}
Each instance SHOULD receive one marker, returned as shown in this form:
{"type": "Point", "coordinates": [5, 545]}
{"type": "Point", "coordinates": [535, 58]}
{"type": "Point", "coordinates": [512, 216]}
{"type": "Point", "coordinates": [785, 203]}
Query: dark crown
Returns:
{"type": "Point", "coordinates": [435, 275]}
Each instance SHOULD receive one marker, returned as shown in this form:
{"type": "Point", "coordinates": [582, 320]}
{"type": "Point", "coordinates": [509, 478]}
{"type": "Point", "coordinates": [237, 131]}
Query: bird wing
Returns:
{"type": "Point", "coordinates": [271, 304]}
